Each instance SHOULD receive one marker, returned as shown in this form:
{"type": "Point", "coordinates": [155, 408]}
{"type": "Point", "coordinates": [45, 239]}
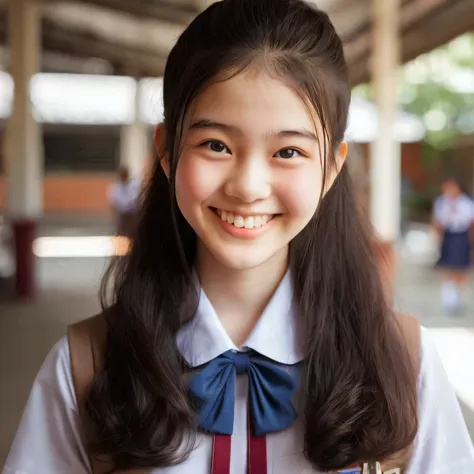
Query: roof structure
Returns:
{"type": "Point", "coordinates": [134, 37]}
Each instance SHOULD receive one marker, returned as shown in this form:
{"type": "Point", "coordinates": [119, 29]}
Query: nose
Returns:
{"type": "Point", "coordinates": [249, 182]}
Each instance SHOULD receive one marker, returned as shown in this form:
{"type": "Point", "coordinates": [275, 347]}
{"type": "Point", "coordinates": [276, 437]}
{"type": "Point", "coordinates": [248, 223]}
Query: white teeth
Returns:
{"type": "Point", "coordinates": [239, 221]}
{"type": "Point", "coordinates": [249, 222]}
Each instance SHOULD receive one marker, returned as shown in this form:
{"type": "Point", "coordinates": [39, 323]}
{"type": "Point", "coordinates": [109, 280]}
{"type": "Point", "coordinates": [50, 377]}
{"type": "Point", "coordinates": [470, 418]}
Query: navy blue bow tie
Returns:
{"type": "Point", "coordinates": [270, 393]}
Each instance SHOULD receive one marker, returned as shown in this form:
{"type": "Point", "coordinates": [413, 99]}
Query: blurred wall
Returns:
{"type": "Point", "coordinates": [77, 193]}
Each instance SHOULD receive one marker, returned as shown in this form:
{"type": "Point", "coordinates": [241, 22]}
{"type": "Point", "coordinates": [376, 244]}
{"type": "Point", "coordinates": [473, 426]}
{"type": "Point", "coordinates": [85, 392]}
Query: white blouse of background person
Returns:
{"type": "Point", "coordinates": [454, 214]}
{"type": "Point", "coordinates": [48, 440]}
{"type": "Point", "coordinates": [123, 196]}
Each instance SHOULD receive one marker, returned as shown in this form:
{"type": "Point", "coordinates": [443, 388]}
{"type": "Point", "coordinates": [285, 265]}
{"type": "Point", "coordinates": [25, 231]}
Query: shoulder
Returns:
{"type": "Point", "coordinates": [467, 201]}
{"type": "Point", "coordinates": [439, 414]}
{"type": "Point", "coordinates": [465, 197]}
{"type": "Point", "coordinates": [53, 381]}
{"type": "Point", "coordinates": [55, 374]}
{"type": "Point", "coordinates": [67, 361]}
{"type": "Point", "coordinates": [49, 436]}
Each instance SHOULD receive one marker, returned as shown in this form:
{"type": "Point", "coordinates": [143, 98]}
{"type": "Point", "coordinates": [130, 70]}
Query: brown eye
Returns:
{"type": "Point", "coordinates": [287, 153]}
{"type": "Point", "coordinates": [216, 146]}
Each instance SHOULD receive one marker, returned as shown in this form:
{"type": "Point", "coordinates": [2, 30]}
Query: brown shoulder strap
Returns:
{"type": "Point", "coordinates": [87, 341]}
{"type": "Point", "coordinates": [86, 345]}
{"type": "Point", "coordinates": [409, 328]}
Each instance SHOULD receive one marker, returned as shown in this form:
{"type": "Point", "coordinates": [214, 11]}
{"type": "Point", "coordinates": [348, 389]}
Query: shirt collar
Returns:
{"type": "Point", "coordinates": [275, 336]}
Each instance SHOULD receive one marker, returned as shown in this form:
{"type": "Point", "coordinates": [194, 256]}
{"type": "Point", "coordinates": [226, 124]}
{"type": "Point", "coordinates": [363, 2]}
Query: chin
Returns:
{"type": "Point", "coordinates": [241, 260]}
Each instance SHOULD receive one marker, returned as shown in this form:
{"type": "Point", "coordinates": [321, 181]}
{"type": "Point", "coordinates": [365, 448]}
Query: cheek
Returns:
{"type": "Point", "coordinates": [196, 180]}
{"type": "Point", "coordinates": [300, 192]}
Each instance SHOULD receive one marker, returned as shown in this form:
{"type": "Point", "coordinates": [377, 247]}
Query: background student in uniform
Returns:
{"type": "Point", "coordinates": [123, 198]}
{"type": "Point", "coordinates": [248, 329]}
{"type": "Point", "coordinates": [453, 218]}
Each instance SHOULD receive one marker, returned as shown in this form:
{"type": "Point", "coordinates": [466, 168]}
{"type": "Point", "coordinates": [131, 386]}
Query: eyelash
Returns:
{"type": "Point", "coordinates": [208, 143]}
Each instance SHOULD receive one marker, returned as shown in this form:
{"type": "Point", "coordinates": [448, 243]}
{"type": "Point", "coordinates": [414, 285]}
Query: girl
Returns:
{"type": "Point", "coordinates": [247, 329]}
{"type": "Point", "coordinates": [453, 219]}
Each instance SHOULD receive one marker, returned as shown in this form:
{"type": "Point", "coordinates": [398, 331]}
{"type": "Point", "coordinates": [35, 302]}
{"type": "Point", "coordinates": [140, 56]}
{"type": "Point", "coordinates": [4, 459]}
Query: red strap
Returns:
{"type": "Point", "coordinates": [221, 454]}
{"type": "Point", "coordinates": [257, 454]}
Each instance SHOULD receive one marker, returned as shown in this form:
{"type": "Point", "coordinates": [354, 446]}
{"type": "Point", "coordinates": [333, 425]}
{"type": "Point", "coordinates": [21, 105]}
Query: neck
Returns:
{"type": "Point", "coordinates": [240, 296]}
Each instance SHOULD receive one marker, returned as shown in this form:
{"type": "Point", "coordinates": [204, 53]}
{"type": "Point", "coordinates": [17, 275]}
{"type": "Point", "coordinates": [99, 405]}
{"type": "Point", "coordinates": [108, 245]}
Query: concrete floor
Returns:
{"type": "Point", "coordinates": [68, 293]}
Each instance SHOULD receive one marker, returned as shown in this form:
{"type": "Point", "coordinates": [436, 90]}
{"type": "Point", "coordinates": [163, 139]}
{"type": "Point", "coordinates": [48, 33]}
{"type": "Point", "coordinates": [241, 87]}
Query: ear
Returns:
{"type": "Point", "coordinates": [160, 147]}
{"type": "Point", "coordinates": [341, 155]}
{"type": "Point", "coordinates": [340, 159]}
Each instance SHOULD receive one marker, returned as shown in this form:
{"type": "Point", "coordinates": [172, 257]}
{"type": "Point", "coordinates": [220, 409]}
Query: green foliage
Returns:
{"type": "Point", "coordinates": [438, 87]}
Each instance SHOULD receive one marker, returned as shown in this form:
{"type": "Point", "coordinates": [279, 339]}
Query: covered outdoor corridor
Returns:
{"type": "Point", "coordinates": [131, 38]}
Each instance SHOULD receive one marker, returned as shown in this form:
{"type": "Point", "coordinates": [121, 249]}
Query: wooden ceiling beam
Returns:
{"type": "Point", "coordinates": [159, 10]}
{"type": "Point", "coordinates": [420, 33]}
{"type": "Point", "coordinates": [419, 21]}
{"type": "Point", "coordinates": [144, 63]}
{"type": "Point", "coordinates": [108, 25]}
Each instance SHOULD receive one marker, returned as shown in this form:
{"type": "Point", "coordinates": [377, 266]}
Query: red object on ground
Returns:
{"type": "Point", "coordinates": [24, 233]}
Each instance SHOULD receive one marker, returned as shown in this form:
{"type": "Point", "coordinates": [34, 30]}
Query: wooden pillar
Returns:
{"type": "Point", "coordinates": [24, 163]}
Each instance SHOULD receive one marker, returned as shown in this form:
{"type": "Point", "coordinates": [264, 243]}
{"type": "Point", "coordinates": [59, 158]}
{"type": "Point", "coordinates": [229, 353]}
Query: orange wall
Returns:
{"type": "Point", "coordinates": [78, 193]}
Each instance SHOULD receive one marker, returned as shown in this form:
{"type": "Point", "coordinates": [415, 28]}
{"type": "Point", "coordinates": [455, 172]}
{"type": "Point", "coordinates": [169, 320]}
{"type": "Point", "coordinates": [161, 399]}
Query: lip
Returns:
{"type": "Point", "coordinates": [242, 232]}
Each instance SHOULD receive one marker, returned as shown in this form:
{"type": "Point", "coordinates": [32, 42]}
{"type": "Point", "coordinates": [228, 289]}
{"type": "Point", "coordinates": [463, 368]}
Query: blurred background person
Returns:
{"type": "Point", "coordinates": [123, 198]}
{"type": "Point", "coordinates": [453, 219]}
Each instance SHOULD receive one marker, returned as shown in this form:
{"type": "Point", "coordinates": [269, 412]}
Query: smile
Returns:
{"type": "Point", "coordinates": [247, 222]}
{"type": "Point", "coordinates": [244, 222]}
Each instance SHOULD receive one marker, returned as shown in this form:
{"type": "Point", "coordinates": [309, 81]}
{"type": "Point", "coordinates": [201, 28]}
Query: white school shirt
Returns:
{"type": "Point", "coordinates": [454, 215]}
{"type": "Point", "coordinates": [48, 439]}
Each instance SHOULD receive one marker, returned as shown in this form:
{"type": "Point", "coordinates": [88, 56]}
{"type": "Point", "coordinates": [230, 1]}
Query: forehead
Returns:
{"type": "Point", "coordinates": [257, 103]}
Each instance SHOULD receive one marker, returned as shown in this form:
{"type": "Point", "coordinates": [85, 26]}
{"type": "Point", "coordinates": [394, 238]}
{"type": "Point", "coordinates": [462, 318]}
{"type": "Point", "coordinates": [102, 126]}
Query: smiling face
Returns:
{"type": "Point", "coordinates": [249, 176]}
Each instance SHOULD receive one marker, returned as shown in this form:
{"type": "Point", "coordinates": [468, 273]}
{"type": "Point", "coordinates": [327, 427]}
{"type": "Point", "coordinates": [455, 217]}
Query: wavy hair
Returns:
{"type": "Point", "coordinates": [358, 384]}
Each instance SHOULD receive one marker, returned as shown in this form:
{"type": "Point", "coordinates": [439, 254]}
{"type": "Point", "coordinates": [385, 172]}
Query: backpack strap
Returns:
{"type": "Point", "coordinates": [409, 329]}
{"type": "Point", "coordinates": [87, 342]}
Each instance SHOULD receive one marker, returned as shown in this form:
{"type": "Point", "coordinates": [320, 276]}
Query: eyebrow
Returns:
{"type": "Point", "coordinates": [207, 123]}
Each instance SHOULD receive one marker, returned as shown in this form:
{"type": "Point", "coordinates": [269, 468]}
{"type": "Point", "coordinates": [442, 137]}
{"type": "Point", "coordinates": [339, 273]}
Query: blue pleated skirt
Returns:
{"type": "Point", "coordinates": [455, 251]}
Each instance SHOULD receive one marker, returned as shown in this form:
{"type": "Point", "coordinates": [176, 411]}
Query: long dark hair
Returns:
{"type": "Point", "coordinates": [358, 387]}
